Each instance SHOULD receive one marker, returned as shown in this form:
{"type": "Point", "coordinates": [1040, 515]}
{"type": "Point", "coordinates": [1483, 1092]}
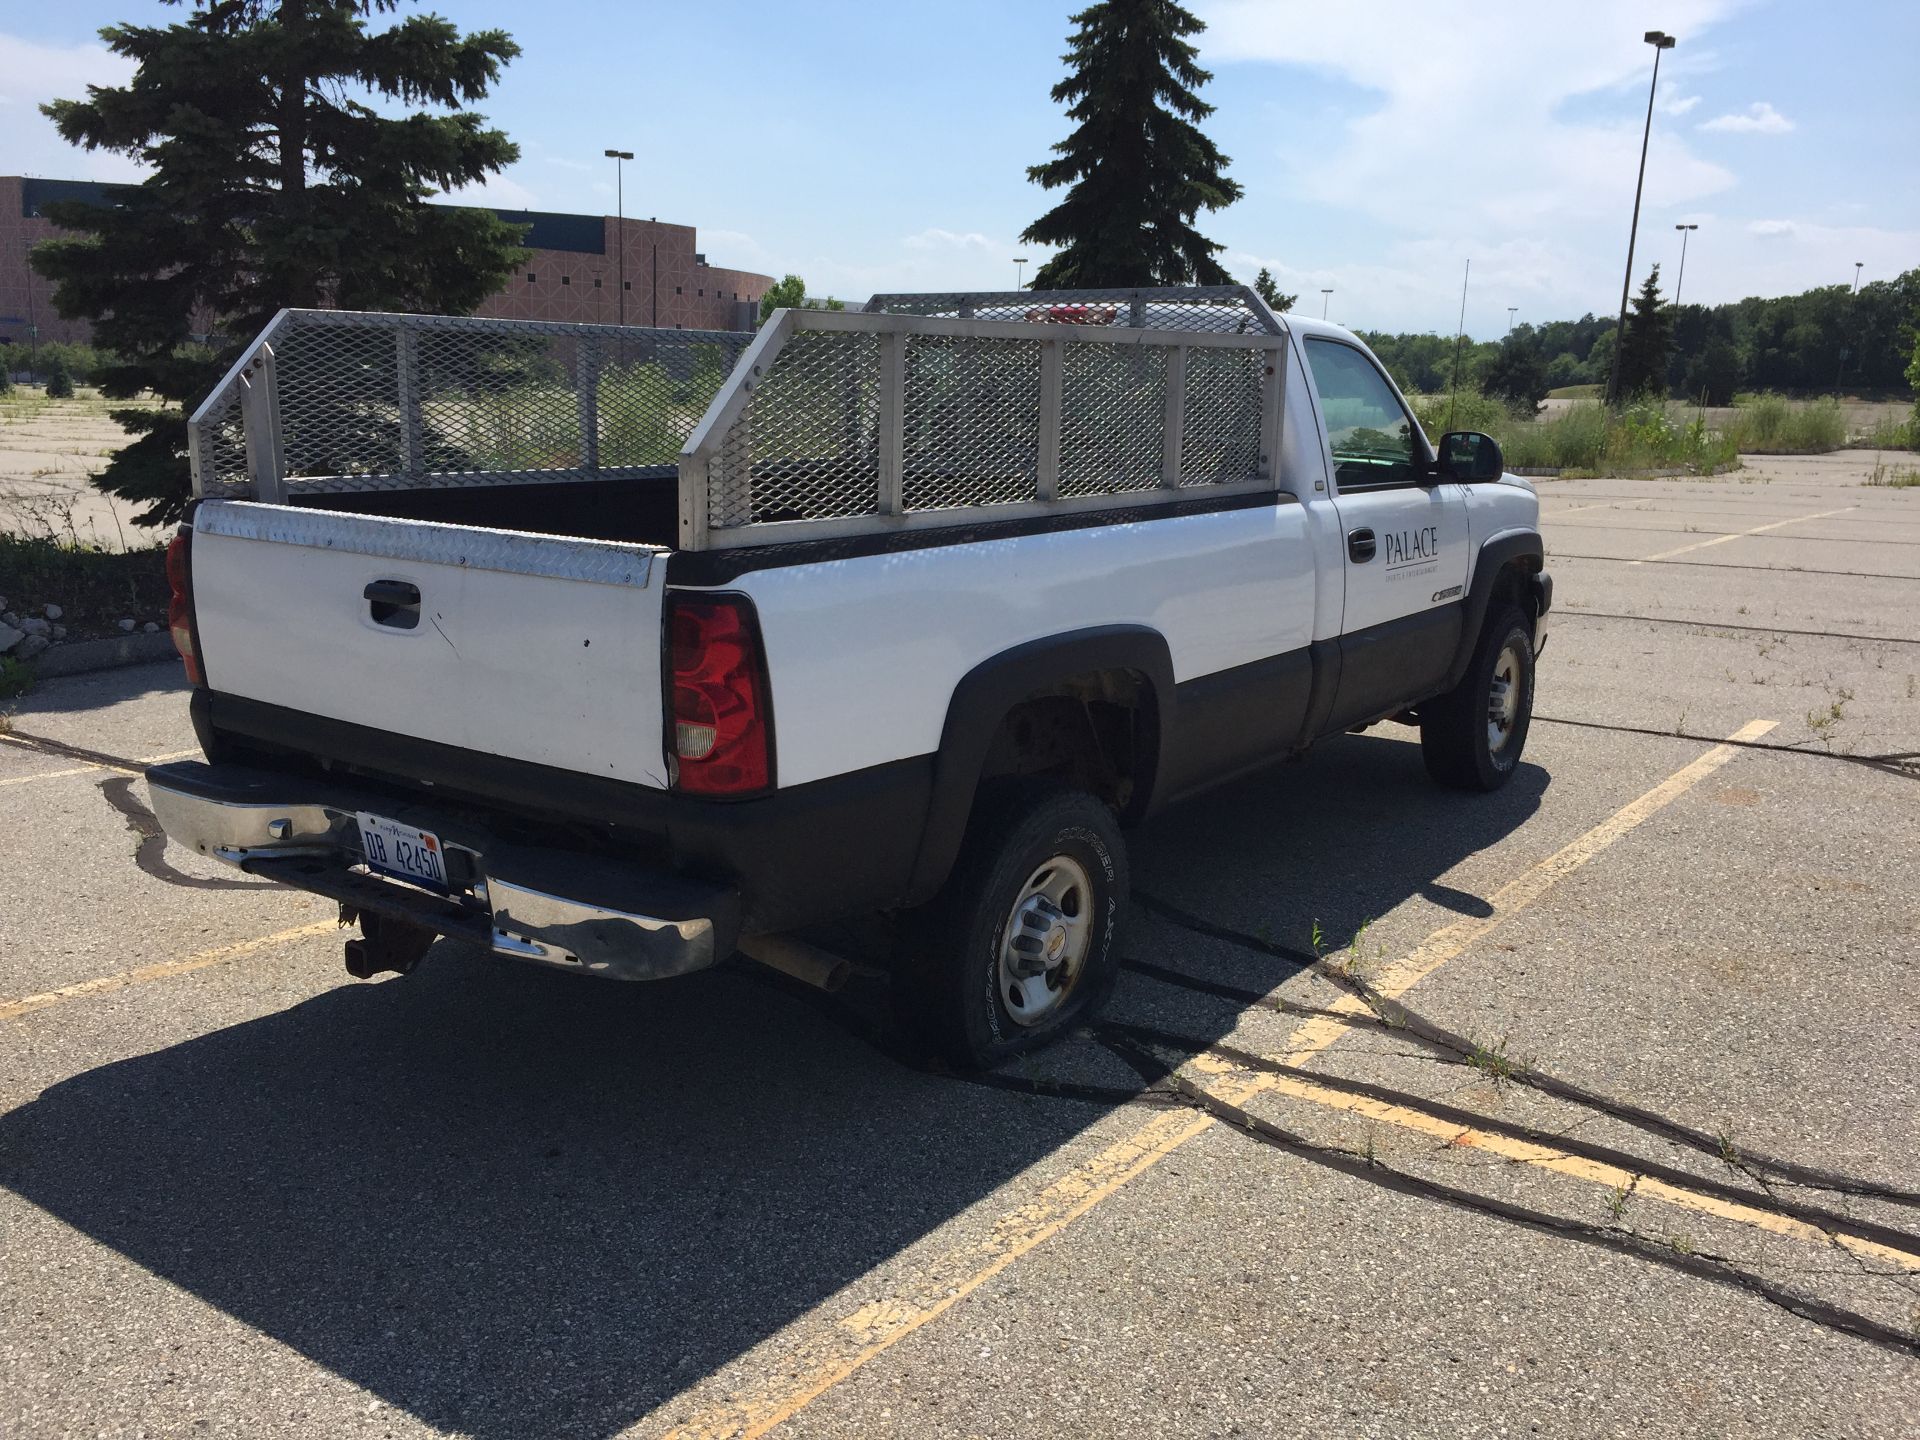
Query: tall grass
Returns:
{"type": "Point", "coordinates": [1584, 436]}
{"type": "Point", "coordinates": [1887, 433]}
{"type": "Point", "coordinates": [1774, 425]}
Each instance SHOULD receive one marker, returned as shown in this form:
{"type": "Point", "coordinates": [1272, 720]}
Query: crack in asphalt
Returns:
{"type": "Point", "coordinates": [1399, 1017]}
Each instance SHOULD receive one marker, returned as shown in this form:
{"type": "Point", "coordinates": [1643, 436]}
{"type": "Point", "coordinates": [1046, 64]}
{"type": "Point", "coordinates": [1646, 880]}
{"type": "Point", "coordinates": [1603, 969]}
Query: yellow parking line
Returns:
{"type": "Point", "coordinates": [137, 768]}
{"type": "Point", "coordinates": [163, 970]}
{"type": "Point", "coordinates": [1741, 535]}
{"type": "Point", "coordinates": [828, 1356]}
{"type": "Point", "coordinates": [1610, 1177]}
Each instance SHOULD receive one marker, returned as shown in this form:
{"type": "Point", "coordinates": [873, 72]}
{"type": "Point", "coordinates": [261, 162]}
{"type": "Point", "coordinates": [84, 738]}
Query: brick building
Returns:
{"type": "Point", "coordinates": [573, 275]}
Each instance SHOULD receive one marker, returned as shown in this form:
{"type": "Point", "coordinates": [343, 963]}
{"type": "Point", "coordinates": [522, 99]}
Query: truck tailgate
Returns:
{"type": "Point", "coordinates": [535, 647]}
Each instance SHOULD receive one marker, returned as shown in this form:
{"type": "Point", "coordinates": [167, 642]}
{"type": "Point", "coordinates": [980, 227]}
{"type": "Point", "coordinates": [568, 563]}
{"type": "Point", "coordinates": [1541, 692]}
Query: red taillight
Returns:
{"type": "Point", "coordinates": [722, 728]}
{"type": "Point", "coordinates": [180, 605]}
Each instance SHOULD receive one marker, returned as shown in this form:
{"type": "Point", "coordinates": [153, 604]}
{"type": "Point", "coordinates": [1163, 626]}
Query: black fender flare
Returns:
{"type": "Point", "coordinates": [1523, 546]}
{"type": "Point", "coordinates": [989, 691]}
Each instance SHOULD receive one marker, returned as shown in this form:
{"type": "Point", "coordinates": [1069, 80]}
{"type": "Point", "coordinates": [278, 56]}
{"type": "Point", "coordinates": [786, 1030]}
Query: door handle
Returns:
{"type": "Point", "coordinates": [394, 603]}
{"type": "Point", "coordinates": [1360, 546]}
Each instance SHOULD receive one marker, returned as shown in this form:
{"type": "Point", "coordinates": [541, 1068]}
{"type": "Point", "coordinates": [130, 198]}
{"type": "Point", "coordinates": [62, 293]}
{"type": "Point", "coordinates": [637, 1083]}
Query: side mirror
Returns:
{"type": "Point", "coordinates": [1468, 455]}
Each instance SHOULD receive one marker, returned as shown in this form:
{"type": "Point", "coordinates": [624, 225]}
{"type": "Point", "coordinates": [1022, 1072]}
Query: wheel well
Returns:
{"type": "Point", "coordinates": [1099, 731]}
{"type": "Point", "coordinates": [1511, 587]}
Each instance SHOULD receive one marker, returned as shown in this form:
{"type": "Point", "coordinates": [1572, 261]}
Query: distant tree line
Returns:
{"type": "Point", "coordinates": [1814, 342]}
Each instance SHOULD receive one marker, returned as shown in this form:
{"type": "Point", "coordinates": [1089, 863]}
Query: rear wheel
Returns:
{"type": "Point", "coordinates": [1472, 736]}
{"type": "Point", "coordinates": [1022, 944]}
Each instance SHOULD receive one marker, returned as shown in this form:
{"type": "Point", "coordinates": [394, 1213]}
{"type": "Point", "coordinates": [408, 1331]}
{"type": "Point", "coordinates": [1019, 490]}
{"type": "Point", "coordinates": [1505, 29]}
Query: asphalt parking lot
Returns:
{"type": "Point", "coordinates": [1598, 1115]}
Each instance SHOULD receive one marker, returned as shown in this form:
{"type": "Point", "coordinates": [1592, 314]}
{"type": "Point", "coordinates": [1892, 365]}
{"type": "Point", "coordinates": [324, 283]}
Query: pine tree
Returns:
{"type": "Point", "coordinates": [1268, 289]}
{"type": "Point", "coordinates": [1643, 353]}
{"type": "Point", "coordinates": [1136, 167]}
{"type": "Point", "coordinates": [59, 379]}
{"type": "Point", "coordinates": [277, 181]}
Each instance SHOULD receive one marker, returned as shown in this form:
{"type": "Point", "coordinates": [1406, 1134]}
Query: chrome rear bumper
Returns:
{"type": "Point", "coordinates": [572, 910]}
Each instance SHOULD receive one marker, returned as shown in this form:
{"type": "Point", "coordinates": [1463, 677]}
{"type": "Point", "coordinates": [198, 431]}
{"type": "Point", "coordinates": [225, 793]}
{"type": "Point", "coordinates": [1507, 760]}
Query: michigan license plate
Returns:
{"type": "Point", "coordinates": [402, 851]}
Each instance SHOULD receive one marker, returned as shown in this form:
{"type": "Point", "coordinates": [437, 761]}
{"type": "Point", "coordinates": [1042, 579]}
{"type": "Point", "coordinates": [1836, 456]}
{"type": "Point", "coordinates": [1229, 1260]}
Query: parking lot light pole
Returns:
{"type": "Point", "coordinates": [1512, 310]}
{"type": "Point", "coordinates": [1660, 40]}
{"type": "Point", "coordinates": [1019, 272]}
{"type": "Point", "coordinates": [620, 222]}
{"type": "Point", "coordinates": [1685, 232]}
{"type": "Point", "coordinates": [1856, 275]}
{"type": "Point", "coordinates": [1326, 299]}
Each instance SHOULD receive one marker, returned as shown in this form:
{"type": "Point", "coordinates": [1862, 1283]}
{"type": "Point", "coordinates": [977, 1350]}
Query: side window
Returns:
{"type": "Point", "coordinates": [1372, 437]}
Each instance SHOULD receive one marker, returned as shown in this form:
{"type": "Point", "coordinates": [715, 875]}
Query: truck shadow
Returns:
{"type": "Point", "coordinates": [511, 1203]}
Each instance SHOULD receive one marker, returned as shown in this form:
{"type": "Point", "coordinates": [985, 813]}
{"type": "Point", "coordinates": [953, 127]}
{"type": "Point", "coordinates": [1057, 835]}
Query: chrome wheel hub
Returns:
{"type": "Point", "coordinates": [1503, 698]}
{"type": "Point", "coordinates": [1046, 940]}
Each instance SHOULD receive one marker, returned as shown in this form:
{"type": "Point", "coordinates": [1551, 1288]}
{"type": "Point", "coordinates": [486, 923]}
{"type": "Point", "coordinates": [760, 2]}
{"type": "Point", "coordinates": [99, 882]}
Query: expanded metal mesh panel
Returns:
{"type": "Point", "coordinates": [972, 421]}
{"type": "Point", "coordinates": [806, 446]}
{"type": "Point", "coordinates": [1220, 440]}
{"type": "Point", "coordinates": [382, 402]}
{"type": "Point", "coordinates": [222, 445]}
{"type": "Point", "coordinates": [339, 402]}
{"type": "Point", "coordinates": [1112, 418]}
{"type": "Point", "coordinates": [1219, 309]}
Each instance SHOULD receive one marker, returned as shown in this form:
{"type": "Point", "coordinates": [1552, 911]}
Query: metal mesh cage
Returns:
{"type": "Point", "coordinates": [972, 423]}
{"type": "Point", "coordinates": [806, 447]}
{"type": "Point", "coordinates": [1203, 309]}
{"type": "Point", "coordinates": [1112, 417]}
{"type": "Point", "coordinates": [1220, 436]}
{"type": "Point", "coordinates": [379, 402]}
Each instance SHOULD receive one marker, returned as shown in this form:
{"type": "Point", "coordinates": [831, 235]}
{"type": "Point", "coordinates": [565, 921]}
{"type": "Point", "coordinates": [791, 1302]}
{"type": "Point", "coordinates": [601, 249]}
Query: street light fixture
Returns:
{"type": "Point", "coordinates": [1856, 275]}
{"type": "Point", "coordinates": [1660, 40]}
{"type": "Point", "coordinates": [1512, 310]}
{"type": "Point", "coordinates": [1019, 273]}
{"type": "Point", "coordinates": [1686, 232]}
{"type": "Point", "coordinates": [1327, 297]}
{"type": "Point", "coordinates": [620, 222]}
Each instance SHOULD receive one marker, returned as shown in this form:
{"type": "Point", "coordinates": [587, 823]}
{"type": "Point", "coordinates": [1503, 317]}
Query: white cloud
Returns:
{"type": "Point", "coordinates": [1681, 105]}
{"type": "Point", "coordinates": [502, 192]}
{"type": "Point", "coordinates": [1772, 227]}
{"type": "Point", "coordinates": [1760, 119]}
{"type": "Point", "coordinates": [934, 238]}
{"type": "Point", "coordinates": [1499, 131]}
{"type": "Point", "coordinates": [32, 74]}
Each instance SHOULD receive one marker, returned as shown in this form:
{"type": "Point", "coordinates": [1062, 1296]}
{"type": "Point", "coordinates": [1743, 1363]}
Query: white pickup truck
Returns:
{"type": "Point", "coordinates": [627, 650]}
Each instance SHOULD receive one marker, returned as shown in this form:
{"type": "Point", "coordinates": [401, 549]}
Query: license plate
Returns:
{"type": "Point", "coordinates": [403, 851]}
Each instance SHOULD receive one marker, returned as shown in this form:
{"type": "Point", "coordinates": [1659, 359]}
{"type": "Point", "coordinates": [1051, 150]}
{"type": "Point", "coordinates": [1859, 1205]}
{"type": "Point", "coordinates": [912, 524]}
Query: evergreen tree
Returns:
{"type": "Point", "coordinates": [1136, 167]}
{"type": "Point", "coordinates": [1643, 353]}
{"type": "Point", "coordinates": [277, 181]}
{"type": "Point", "coordinates": [1268, 290]}
{"type": "Point", "coordinates": [1517, 374]}
{"type": "Point", "coordinates": [59, 379]}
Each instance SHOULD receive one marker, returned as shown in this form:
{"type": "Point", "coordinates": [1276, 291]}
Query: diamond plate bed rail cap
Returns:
{"type": "Point", "coordinates": [516, 552]}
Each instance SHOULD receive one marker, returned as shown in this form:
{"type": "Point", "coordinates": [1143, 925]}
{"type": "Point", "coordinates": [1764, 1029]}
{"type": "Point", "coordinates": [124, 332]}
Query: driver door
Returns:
{"type": "Point", "coordinates": [1406, 541]}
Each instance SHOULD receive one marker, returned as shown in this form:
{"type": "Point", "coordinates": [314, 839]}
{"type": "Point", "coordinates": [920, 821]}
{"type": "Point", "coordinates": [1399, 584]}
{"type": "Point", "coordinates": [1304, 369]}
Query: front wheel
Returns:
{"type": "Point", "coordinates": [1472, 736]}
{"type": "Point", "coordinates": [1023, 942]}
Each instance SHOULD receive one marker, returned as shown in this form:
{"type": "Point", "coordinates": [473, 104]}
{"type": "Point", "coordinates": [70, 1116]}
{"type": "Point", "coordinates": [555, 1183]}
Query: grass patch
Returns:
{"type": "Point", "coordinates": [1893, 477]}
{"type": "Point", "coordinates": [1775, 425]}
{"type": "Point", "coordinates": [16, 678]}
{"type": "Point", "coordinates": [1585, 436]}
{"type": "Point", "coordinates": [1888, 434]}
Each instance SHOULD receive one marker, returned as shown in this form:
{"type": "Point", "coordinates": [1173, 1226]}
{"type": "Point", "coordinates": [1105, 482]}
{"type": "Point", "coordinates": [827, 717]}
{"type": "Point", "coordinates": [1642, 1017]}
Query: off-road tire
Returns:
{"type": "Point", "coordinates": [1457, 730]}
{"type": "Point", "coordinates": [948, 964]}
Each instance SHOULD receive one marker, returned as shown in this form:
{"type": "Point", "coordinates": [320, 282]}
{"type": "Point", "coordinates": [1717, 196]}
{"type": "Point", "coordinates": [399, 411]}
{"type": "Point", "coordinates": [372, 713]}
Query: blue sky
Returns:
{"type": "Point", "coordinates": [884, 145]}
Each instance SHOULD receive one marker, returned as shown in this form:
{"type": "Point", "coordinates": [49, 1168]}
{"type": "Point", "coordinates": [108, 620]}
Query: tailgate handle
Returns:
{"type": "Point", "coordinates": [395, 603]}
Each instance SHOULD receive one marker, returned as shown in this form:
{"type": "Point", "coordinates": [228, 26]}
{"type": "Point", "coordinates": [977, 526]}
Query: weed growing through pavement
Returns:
{"type": "Point", "coordinates": [1617, 1203]}
{"type": "Point", "coordinates": [1493, 1061]}
{"type": "Point", "coordinates": [16, 678]}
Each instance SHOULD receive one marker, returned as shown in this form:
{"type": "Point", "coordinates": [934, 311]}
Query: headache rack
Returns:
{"type": "Point", "coordinates": [917, 411]}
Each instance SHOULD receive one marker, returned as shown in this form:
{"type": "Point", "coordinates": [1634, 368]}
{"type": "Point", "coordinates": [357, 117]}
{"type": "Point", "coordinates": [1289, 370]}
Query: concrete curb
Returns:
{"type": "Point", "coordinates": [80, 656]}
